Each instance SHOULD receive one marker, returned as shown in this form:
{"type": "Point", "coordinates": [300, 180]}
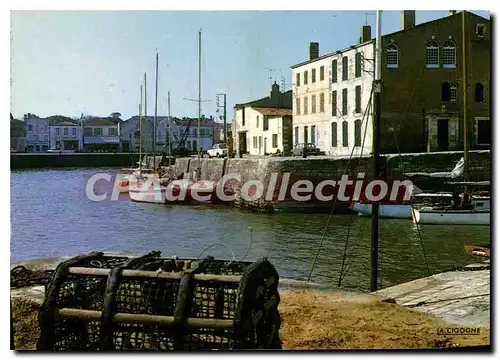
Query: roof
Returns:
{"type": "Point", "coordinates": [373, 40]}
{"type": "Point", "coordinates": [65, 123]}
{"type": "Point", "coordinates": [265, 102]}
{"type": "Point", "coordinates": [332, 53]}
{"type": "Point", "coordinates": [97, 122]}
{"type": "Point", "coordinates": [273, 112]}
{"type": "Point", "coordinates": [194, 122]}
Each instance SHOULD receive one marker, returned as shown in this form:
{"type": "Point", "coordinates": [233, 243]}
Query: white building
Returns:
{"type": "Point", "coordinates": [188, 133]}
{"type": "Point", "coordinates": [129, 133]}
{"type": "Point", "coordinates": [263, 126]}
{"type": "Point", "coordinates": [37, 133]}
{"type": "Point", "coordinates": [100, 135]}
{"type": "Point", "coordinates": [331, 94]}
{"type": "Point", "coordinates": [65, 136]}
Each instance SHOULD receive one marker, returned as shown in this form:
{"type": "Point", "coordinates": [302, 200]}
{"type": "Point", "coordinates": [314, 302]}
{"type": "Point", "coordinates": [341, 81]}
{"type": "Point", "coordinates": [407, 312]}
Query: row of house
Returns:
{"type": "Point", "coordinates": [35, 134]}
{"type": "Point", "coordinates": [422, 99]}
{"type": "Point", "coordinates": [183, 133]}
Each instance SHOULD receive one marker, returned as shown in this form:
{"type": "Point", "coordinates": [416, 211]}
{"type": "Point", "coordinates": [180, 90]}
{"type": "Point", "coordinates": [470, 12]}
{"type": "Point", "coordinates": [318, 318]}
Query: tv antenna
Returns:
{"type": "Point", "coordinates": [271, 75]}
{"type": "Point", "coordinates": [366, 16]}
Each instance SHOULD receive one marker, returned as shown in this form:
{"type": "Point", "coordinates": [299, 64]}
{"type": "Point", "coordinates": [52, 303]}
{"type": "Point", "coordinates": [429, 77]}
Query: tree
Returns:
{"type": "Point", "coordinates": [115, 115]}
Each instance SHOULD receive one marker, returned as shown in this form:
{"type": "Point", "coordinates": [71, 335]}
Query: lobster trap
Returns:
{"type": "Point", "coordinates": [106, 303]}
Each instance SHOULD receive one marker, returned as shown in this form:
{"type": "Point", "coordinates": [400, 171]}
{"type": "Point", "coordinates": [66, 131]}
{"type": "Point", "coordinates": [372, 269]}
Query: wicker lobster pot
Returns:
{"type": "Point", "coordinates": [97, 302]}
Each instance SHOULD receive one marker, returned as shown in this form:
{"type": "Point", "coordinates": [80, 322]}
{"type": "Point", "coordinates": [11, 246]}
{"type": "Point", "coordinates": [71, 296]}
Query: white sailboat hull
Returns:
{"type": "Point", "coordinates": [451, 217]}
{"type": "Point", "coordinates": [390, 211]}
{"type": "Point", "coordinates": [151, 196]}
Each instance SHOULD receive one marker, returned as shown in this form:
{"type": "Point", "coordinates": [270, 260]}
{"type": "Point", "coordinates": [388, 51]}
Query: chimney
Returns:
{"type": "Point", "coordinates": [275, 91]}
{"type": "Point", "coordinates": [366, 33]}
{"type": "Point", "coordinates": [313, 50]}
{"type": "Point", "coordinates": [407, 19]}
{"type": "Point", "coordinates": [452, 12]}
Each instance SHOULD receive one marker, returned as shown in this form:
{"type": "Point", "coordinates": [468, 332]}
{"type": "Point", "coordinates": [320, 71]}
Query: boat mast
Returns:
{"type": "Point", "coordinates": [145, 106]}
{"type": "Point", "coordinates": [169, 130]}
{"type": "Point", "coordinates": [376, 151]}
{"type": "Point", "coordinates": [199, 100]}
{"type": "Point", "coordinates": [156, 114]}
{"type": "Point", "coordinates": [465, 102]}
{"type": "Point", "coordinates": [140, 133]}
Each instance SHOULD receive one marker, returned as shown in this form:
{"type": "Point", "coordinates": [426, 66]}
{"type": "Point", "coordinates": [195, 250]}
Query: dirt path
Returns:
{"type": "Point", "coordinates": [319, 320]}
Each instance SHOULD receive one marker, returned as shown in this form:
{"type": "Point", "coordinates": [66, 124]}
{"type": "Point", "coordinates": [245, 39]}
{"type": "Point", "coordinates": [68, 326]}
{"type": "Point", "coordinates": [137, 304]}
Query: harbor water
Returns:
{"type": "Point", "coordinates": [51, 216]}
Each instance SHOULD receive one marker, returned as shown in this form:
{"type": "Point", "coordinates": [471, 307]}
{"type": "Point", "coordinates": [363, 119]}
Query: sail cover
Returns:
{"type": "Point", "coordinates": [455, 173]}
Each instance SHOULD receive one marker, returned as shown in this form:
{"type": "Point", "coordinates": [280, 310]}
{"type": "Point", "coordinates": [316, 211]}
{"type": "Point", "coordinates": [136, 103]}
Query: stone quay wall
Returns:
{"type": "Point", "coordinates": [317, 169]}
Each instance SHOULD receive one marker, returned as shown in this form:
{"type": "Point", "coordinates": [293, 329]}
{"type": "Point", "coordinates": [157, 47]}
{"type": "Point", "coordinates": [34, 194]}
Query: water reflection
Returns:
{"type": "Point", "coordinates": [50, 216]}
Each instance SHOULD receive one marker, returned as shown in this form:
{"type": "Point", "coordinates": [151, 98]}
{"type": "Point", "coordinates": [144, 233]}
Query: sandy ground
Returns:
{"type": "Point", "coordinates": [319, 320]}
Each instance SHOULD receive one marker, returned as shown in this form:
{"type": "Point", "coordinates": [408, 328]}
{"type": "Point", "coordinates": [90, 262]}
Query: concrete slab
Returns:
{"type": "Point", "coordinates": [460, 297]}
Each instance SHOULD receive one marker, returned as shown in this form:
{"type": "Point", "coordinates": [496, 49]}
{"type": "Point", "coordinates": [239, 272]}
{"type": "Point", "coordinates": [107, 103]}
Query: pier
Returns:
{"type": "Point", "coordinates": [316, 316]}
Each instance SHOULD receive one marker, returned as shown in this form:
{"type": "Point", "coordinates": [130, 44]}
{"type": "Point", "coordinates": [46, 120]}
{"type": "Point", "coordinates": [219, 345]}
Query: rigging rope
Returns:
{"type": "Point", "coordinates": [411, 204]}
{"type": "Point", "coordinates": [335, 201]}
{"type": "Point", "coordinates": [367, 111]}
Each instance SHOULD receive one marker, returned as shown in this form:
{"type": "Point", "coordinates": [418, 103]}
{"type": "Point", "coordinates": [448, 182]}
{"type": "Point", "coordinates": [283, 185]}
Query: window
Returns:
{"type": "Point", "coordinates": [392, 54]}
{"type": "Point", "coordinates": [73, 131]}
{"type": "Point", "coordinates": [275, 140]}
{"type": "Point", "coordinates": [432, 55]}
{"type": "Point", "coordinates": [297, 106]}
{"type": "Point", "coordinates": [297, 79]}
{"type": "Point", "coordinates": [313, 76]}
{"type": "Point", "coordinates": [478, 92]}
{"type": "Point", "coordinates": [257, 121]}
{"type": "Point", "coordinates": [265, 125]}
{"type": "Point", "coordinates": [305, 134]}
{"type": "Point", "coordinates": [255, 142]}
{"type": "Point", "coordinates": [358, 99]}
{"type": "Point", "coordinates": [305, 78]}
{"type": "Point", "coordinates": [97, 131]}
{"type": "Point", "coordinates": [334, 103]}
{"type": "Point", "coordinates": [321, 73]}
{"type": "Point", "coordinates": [58, 131]}
{"type": "Point", "coordinates": [334, 71]}
{"type": "Point", "coordinates": [357, 65]}
{"type": "Point", "coordinates": [322, 102]}
{"type": "Point", "coordinates": [344, 101]}
{"type": "Point", "coordinates": [296, 135]}
{"type": "Point", "coordinates": [87, 131]}
{"type": "Point", "coordinates": [483, 131]}
{"type": "Point", "coordinates": [313, 104]}
{"type": "Point", "coordinates": [305, 105]}
{"type": "Point", "coordinates": [449, 54]}
{"type": "Point", "coordinates": [357, 132]}
{"type": "Point", "coordinates": [344, 68]}
{"type": "Point", "coordinates": [480, 30]}
{"type": "Point", "coordinates": [445, 91]}
{"type": "Point", "coordinates": [313, 134]}
{"type": "Point", "coordinates": [453, 92]}
{"type": "Point", "coordinates": [114, 131]}
{"type": "Point", "coordinates": [194, 145]}
{"type": "Point", "coordinates": [345, 134]}
{"type": "Point", "coordinates": [65, 131]}
{"type": "Point", "coordinates": [334, 134]}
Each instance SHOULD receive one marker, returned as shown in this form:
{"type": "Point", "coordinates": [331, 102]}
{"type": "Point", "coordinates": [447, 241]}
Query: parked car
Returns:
{"type": "Point", "coordinates": [308, 148]}
{"type": "Point", "coordinates": [218, 150]}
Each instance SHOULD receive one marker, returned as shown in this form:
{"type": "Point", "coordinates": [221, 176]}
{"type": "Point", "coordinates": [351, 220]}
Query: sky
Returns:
{"type": "Point", "coordinates": [92, 62]}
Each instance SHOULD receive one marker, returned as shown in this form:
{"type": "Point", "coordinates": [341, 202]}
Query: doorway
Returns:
{"type": "Point", "coordinates": [442, 134]}
{"type": "Point", "coordinates": [265, 146]}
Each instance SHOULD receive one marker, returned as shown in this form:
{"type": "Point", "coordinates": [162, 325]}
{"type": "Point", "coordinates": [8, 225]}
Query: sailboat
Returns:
{"type": "Point", "coordinates": [418, 196]}
{"type": "Point", "coordinates": [131, 174]}
{"type": "Point", "coordinates": [152, 189]}
{"type": "Point", "coordinates": [471, 210]}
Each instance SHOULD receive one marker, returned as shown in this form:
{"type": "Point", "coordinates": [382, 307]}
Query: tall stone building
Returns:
{"type": "Point", "coordinates": [422, 89]}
